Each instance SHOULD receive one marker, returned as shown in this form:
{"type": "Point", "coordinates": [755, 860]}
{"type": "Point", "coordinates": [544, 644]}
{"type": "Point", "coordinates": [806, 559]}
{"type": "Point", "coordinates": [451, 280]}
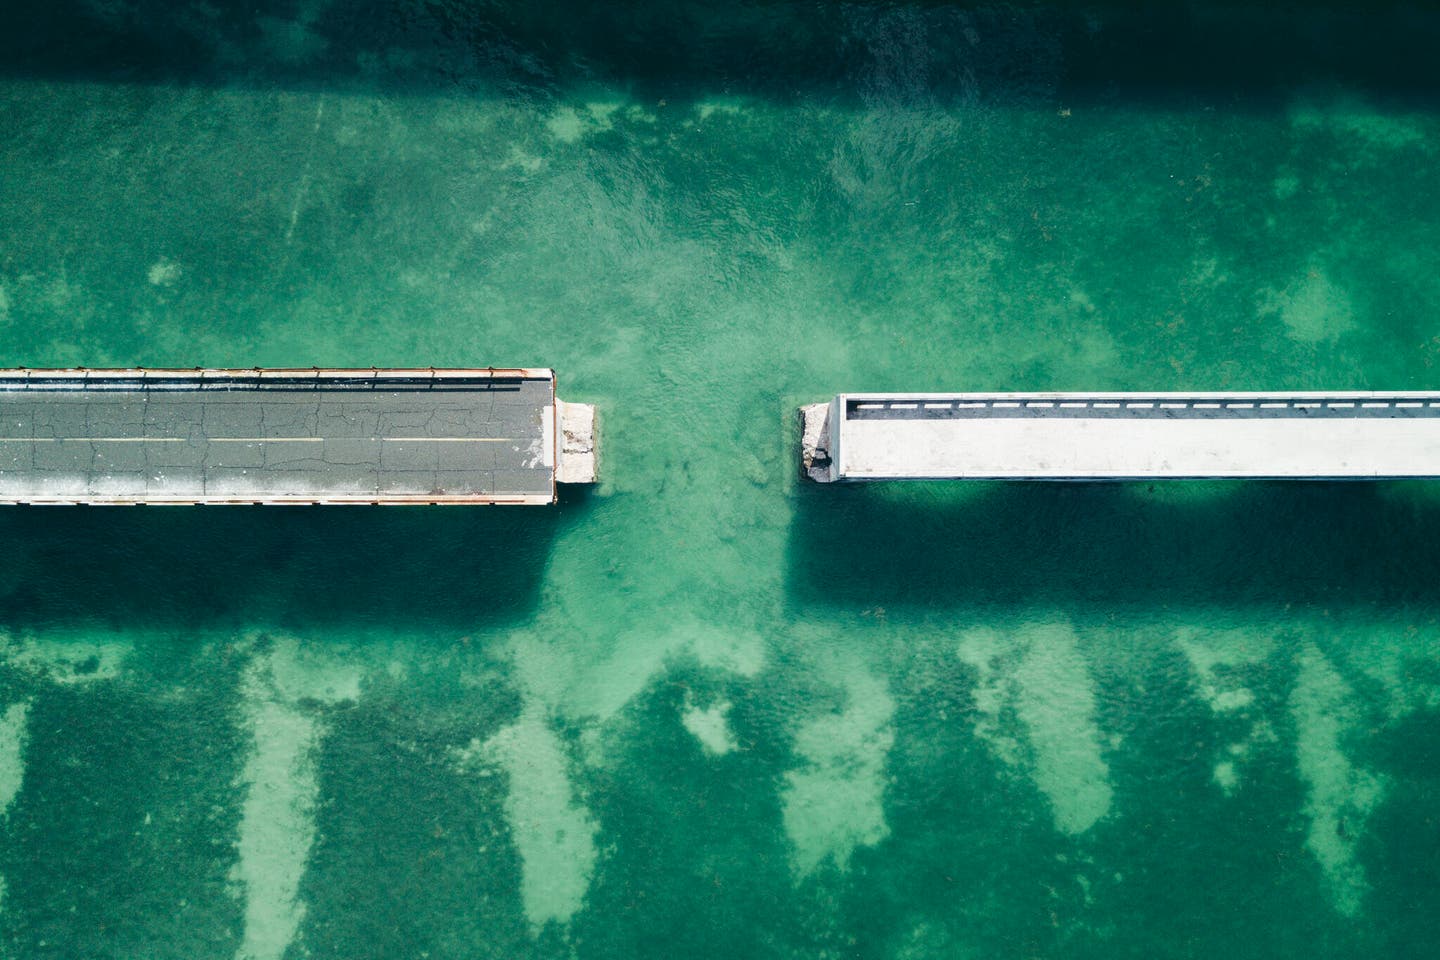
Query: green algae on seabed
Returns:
{"type": "Point", "coordinates": [706, 710]}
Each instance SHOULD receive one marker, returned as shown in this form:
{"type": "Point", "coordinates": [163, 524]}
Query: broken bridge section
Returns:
{"type": "Point", "coordinates": [331, 436]}
{"type": "Point", "coordinates": [1323, 435]}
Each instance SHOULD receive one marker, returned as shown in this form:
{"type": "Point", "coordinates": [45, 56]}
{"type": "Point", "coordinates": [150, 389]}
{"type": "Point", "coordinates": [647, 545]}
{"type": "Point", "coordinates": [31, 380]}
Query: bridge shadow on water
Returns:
{"type": "Point", "coordinates": [688, 49]}
{"type": "Point", "coordinates": [1090, 548]}
{"type": "Point", "coordinates": [350, 567]}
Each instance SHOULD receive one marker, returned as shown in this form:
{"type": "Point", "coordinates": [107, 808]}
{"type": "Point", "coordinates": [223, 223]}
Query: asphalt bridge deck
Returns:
{"type": "Point", "coordinates": [277, 436]}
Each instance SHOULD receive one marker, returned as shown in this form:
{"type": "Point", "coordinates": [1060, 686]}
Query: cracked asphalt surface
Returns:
{"type": "Point", "coordinates": [402, 439]}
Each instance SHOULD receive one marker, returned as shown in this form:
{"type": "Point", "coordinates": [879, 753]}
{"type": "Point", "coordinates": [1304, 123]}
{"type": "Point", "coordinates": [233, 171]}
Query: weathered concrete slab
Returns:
{"type": "Point", "coordinates": [577, 455]}
{"type": "Point", "coordinates": [1119, 436]}
{"type": "Point", "coordinates": [275, 436]}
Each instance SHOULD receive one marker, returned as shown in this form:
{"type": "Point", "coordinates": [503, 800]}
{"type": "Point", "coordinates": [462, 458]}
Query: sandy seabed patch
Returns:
{"type": "Point", "coordinates": [67, 659]}
{"type": "Point", "coordinates": [835, 802]}
{"type": "Point", "coordinates": [710, 725]}
{"type": "Point", "coordinates": [1340, 795]}
{"type": "Point", "coordinates": [281, 784]}
{"type": "Point", "coordinates": [13, 728]}
{"type": "Point", "coordinates": [554, 834]}
{"type": "Point", "coordinates": [1040, 673]}
{"type": "Point", "coordinates": [1055, 700]}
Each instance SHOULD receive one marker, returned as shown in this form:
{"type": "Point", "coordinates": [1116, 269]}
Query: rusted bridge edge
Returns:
{"type": "Point", "coordinates": [221, 375]}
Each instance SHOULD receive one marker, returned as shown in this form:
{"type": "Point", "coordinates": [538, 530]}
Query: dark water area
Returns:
{"type": "Point", "coordinates": [1114, 546]}
{"type": "Point", "coordinates": [706, 709]}
{"type": "Point", "coordinates": [1137, 51]}
{"type": "Point", "coordinates": [197, 568]}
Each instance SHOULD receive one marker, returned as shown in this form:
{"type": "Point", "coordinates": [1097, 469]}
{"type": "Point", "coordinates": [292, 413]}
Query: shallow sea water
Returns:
{"type": "Point", "coordinates": [705, 710]}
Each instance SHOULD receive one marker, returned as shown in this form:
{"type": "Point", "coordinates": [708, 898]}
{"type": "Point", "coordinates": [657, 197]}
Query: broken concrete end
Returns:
{"type": "Point", "coordinates": [578, 453]}
{"type": "Point", "coordinates": [815, 459]}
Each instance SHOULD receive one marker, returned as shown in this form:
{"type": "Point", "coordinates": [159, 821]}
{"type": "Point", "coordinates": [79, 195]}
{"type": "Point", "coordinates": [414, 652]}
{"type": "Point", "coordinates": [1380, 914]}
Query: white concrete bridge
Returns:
{"type": "Point", "coordinates": [1123, 436]}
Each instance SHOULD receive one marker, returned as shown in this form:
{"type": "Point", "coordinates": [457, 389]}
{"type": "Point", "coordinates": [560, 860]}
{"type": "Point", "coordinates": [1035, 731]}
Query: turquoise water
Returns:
{"type": "Point", "coordinates": [705, 710]}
